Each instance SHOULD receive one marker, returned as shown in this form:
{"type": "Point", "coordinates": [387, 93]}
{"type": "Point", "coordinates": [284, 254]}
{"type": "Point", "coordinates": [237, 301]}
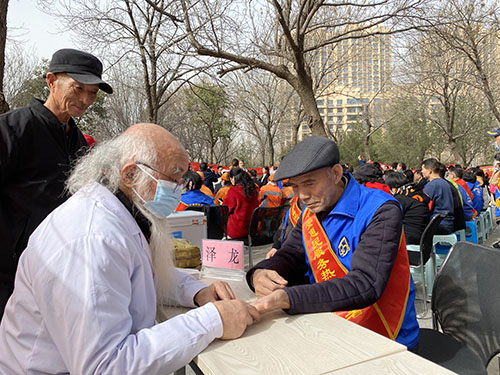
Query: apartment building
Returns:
{"type": "Point", "coordinates": [354, 79]}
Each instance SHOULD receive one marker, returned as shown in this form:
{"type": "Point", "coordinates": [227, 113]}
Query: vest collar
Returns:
{"type": "Point", "coordinates": [348, 203]}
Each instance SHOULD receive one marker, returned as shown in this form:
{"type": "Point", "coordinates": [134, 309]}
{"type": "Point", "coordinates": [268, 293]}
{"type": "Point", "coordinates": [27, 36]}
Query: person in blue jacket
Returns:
{"type": "Point", "coordinates": [193, 196]}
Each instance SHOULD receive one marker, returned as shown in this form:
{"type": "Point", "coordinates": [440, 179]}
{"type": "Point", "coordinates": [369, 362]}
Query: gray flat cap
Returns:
{"type": "Point", "coordinates": [312, 153]}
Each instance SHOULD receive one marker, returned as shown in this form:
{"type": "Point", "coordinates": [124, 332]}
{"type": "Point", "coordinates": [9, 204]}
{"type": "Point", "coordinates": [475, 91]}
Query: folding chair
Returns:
{"type": "Point", "coordinates": [419, 255]}
{"type": "Point", "coordinates": [263, 224]}
{"type": "Point", "coordinates": [465, 306]}
{"type": "Point", "coordinates": [216, 219]}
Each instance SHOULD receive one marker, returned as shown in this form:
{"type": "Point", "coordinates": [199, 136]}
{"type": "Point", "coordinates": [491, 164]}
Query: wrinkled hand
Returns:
{"type": "Point", "coordinates": [267, 281]}
{"type": "Point", "coordinates": [271, 253]}
{"type": "Point", "coordinates": [219, 290]}
{"type": "Point", "coordinates": [236, 316]}
{"type": "Point", "coordinates": [276, 300]}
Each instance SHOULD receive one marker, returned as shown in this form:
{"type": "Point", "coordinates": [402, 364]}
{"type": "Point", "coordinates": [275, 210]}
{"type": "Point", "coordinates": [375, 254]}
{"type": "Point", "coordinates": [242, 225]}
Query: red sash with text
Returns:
{"type": "Point", "coordinates": [295, 211]}
{"type": "Point", "coordinates": [386, 315]}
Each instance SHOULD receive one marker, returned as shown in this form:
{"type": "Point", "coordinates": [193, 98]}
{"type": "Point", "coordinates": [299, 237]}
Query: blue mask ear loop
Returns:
{"type": "Point", "coordinates": [150, 175]}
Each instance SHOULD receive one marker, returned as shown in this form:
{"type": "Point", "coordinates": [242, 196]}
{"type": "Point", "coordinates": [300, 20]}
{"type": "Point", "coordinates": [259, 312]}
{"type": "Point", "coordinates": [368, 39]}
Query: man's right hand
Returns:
{"type": "Point", "coordinates": [267, 281]}
{"type": "Point", "coordinates": [236, 316]}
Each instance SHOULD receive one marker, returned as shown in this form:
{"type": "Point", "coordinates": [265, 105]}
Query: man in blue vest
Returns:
{"type": "Point", "coordinates": [347, 253]}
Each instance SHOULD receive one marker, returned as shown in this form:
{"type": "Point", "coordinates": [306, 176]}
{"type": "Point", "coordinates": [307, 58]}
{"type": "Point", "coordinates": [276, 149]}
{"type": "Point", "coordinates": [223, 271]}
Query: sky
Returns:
{"type": "Point", "coordinates": [35, 29]}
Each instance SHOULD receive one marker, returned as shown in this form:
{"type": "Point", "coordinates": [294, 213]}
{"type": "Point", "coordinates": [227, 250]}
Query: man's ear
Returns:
{"type": "Point", "coordinates": [128, 173]}
{"type": "Point", "coordinates": [51, 79]}
{"type": "Point", "coordinates": [338, 172]}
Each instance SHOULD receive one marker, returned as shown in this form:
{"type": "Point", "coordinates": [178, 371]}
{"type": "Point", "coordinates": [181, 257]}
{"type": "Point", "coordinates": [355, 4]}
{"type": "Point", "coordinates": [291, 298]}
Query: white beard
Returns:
{"type": "Point", "coordinates": [162, 255]}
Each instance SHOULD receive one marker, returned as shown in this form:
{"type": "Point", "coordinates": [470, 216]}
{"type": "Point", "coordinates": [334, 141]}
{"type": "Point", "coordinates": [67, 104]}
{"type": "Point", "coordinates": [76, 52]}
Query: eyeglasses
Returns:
{"type": "Point", "coordinates": [180, 183]}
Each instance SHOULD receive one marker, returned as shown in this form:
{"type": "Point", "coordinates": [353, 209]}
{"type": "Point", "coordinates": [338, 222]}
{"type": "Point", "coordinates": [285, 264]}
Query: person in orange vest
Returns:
{"type": "Point", "coordinates": [287, 193]}
{"type": "Point", "coordinates": [222, 192]}
{"type": "Point", "coordinates": [346, 255]}
{"type": "Point", "coordinates": [204, 189]}
{"type": "Point", "coordinates": [270, 194]}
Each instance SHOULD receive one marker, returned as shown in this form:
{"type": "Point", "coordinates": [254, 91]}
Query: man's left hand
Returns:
{"type": "Point", "coordinates": [219, 290]}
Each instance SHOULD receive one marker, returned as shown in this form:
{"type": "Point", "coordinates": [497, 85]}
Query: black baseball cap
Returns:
{"type": "Point", "coordinates": [83, 67]}
{"type": "Point", "coordinates": [313, 153]}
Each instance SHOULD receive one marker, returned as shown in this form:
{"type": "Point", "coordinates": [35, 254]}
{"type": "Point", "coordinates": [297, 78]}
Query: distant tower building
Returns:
{"type": "Point", "coordinates": [355, 80]}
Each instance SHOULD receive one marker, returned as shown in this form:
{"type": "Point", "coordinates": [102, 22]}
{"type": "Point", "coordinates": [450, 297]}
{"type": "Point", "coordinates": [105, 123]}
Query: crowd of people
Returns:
{"type": "Point", "coordinates": [432, 189]}
{"type": "Point", "coordinates": [87, 255]}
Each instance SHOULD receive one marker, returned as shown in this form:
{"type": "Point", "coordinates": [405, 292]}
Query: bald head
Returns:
{"type": "Point", "coordinates": [171, 155]}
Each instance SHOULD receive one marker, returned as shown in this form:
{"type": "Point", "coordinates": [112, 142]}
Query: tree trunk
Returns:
{"type": "Point", "coordinates": [454, 150]}
{"type": "Point", "coordinates": [315, 123]}
{"type": "Point", "coordinates": [4, 4]}
{"type": "Point", "coordinates": [271, 146]}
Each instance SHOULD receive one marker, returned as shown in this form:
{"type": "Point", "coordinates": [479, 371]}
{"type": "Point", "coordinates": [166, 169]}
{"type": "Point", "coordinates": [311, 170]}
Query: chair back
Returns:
{"type": "Point", "coordinates": [426, 239]}
{"type": "Point", "coordinates": [216, 219]}
{"type": "Point", "coordinates": [263, 224]}
{"type": "Point", "coordinates": [466, 298]}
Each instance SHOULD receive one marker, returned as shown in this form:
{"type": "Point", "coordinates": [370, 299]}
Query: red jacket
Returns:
{"type": "Point", "coordinates": [240, 211]}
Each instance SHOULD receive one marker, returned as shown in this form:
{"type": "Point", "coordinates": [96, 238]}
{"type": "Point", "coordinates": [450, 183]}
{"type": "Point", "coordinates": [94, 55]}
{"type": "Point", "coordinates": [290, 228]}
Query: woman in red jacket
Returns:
{"type": "Point", "coordinates": [242, 199]}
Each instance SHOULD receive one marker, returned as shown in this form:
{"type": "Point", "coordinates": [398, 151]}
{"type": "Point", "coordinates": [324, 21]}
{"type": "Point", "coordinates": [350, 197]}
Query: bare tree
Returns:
{"type": "Point", "coordinates": [470, 27]}
{"type": "Point", "coordinates": [145, 34]}
{"type": "Point", "coordinates": [441, 74]}
{"type": "Point", "coordinates": [22, 72]}
{"type": "Point", "coordinates": [282, 37]}
{"type": "Point", "coordinates": [4, 5]}
{"type": "Point", "coordinates": [262, 103]}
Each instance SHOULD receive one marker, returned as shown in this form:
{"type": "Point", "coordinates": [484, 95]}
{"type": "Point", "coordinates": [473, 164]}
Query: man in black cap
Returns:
{"type": "Point", "coordinates": [346, 254]}
{"type": "Point", "coordinates": [37, 145]}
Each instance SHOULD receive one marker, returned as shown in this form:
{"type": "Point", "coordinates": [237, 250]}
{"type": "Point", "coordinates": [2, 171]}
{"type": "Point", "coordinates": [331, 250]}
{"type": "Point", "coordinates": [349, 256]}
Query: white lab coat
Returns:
{"type": "Point", "coordinates": [84, 299]}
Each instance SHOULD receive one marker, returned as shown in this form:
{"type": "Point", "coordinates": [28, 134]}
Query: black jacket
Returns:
{"type": "Point", "coordinates": [210, 178]}
{"type": "Point", "coordinates": [379, 242]}
{"type": "Point", "coordinates": [415, 218]}
{"type": "Point", "coordinates": [35, 157]}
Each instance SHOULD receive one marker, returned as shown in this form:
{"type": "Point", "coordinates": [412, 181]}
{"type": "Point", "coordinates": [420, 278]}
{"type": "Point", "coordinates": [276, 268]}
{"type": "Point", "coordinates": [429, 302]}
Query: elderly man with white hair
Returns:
{"type": "Point", "coordinates": [89, 280]}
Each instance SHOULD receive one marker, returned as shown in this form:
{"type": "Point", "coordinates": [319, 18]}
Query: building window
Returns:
{"type": "Point", "coordinates": [353, 109]}
{"type": "Point", "coordinates": [353, 101]}
{"type": "Point", "coordinates": [339, 102]}
{"type": "Point", "coordinates": [320, 102]}
{"type": "Point", "coordinates": [339, 110]}
{"type": "Point", "coordinates": [330, 102]}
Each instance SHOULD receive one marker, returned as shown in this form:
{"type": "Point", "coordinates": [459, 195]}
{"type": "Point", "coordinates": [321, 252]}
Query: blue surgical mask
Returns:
{"type": "Point", "coordinates": [496, 146]}
{"type": "Point", "coordinates": [167, 197]}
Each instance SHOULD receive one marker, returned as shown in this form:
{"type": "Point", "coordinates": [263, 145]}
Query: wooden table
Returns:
{"type": "Point", "coordinates": [309, 344]}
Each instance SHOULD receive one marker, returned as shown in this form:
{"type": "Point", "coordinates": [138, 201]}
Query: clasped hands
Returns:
{"type": "Point", "coordinates": [237, 315]}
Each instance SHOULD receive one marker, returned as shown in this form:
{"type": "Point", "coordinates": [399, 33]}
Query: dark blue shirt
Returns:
{"type": "Point", "coordinates": [440, 192]}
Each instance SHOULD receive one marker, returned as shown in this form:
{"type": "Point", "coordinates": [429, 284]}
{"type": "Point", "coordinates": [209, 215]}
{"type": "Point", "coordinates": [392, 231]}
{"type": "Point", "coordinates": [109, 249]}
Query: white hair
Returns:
{"type": "Point", "coordinates": [104, 162]}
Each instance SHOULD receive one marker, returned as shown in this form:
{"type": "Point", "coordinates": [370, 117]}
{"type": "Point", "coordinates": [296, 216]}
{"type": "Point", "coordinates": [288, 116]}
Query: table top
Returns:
{"type": "Point", "coordinates": [309, 344]}
{"type": "Point", "coordinates": [400, 363]}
